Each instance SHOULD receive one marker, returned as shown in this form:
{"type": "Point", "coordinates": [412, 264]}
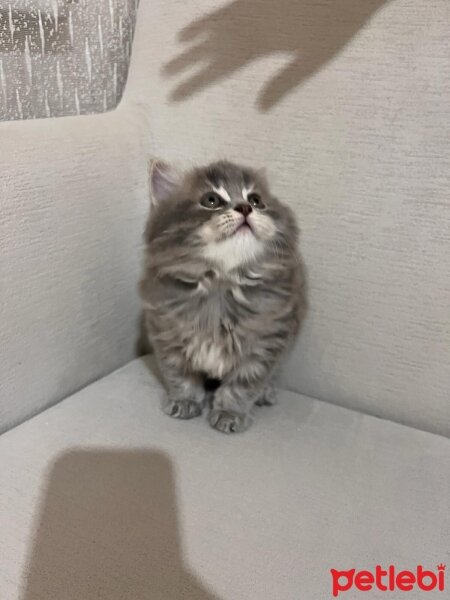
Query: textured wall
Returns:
{"type": "Point", "coordinates": [63, 57]}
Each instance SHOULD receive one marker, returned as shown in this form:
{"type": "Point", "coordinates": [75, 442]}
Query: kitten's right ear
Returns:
{"type": "Point", "coordinates": [163, 181]}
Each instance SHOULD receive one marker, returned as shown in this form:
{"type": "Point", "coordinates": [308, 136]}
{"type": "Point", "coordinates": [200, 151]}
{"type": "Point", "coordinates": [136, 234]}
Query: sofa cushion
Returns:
{"type": "Point", "coordinates": [103, 496]}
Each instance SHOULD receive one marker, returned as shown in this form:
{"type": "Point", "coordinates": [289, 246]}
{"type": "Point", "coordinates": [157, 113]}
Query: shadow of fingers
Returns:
{"type": "Point", "coordinates": [211, 73]}
{"type": "Point", "coordinates": [244, 31]}
{"type": "Point", "coordinates": [187, 59]}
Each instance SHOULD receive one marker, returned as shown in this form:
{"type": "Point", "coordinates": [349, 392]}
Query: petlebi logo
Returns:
{"type": "Point", "coordinates": [388, 580]}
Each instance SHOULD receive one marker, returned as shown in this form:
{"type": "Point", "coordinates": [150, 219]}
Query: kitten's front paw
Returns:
{"type": "Point", "coordinates": [227, 421]}
{"type": "Point", "coordinates": [182, 409]}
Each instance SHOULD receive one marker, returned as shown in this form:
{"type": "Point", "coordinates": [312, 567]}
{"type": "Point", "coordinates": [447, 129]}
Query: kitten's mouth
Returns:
{"type": "Point", "coordinates": [243, 228]}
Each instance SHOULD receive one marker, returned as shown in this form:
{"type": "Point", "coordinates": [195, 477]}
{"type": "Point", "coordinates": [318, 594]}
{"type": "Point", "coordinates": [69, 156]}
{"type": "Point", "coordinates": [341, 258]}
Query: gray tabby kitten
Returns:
{"type": "Point", "coordinates": [223, 289]}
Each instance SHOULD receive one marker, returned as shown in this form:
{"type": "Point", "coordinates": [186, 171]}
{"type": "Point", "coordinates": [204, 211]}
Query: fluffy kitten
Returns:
{"type": "Point", "coordinates": [223, 289]}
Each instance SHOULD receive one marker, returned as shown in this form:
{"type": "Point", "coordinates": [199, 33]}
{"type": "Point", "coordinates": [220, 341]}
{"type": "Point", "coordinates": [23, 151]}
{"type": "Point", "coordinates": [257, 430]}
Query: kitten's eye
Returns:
{"type": "Point", "coordinates": [211, 200]}
{"type": "Point", "coordinates": [255, 201]}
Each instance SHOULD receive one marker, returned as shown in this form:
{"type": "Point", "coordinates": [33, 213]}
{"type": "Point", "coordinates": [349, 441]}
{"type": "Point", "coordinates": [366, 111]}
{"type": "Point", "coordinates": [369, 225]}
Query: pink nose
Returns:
{"type": "Point", "coordinates": [245, 209]}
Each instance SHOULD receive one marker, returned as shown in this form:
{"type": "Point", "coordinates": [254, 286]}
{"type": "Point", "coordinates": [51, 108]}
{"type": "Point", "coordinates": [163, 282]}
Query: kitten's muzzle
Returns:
{"type": "Point", "coordinates": [244, 225]}
{"type": "Point", "coordinates": [245, 210]}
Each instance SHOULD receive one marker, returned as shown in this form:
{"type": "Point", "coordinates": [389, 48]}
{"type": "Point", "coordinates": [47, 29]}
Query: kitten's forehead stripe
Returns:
{"type": "Point", "coordinates": [246, 191]}
{"type": "Point", "coordinates": [222, 192]}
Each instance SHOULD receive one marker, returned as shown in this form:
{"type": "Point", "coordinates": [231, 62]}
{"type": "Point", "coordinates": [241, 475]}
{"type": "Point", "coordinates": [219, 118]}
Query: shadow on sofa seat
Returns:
{"type": "Point", "coordinates": [108, 528]}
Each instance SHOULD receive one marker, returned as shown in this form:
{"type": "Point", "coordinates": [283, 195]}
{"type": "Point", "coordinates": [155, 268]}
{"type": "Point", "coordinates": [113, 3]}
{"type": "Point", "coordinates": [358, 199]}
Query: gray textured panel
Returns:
{"type": "Point", "coordinates": [63, 57]}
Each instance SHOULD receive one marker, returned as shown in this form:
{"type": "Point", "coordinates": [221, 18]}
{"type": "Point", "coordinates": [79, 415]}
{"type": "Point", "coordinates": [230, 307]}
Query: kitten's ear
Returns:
{"type": "Point", "coordinates": [163, 181]}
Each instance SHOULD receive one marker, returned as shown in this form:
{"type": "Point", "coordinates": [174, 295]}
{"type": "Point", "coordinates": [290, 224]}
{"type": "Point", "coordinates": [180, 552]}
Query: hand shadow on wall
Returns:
{"type": "Point", "coordinates": [311, 32]}
{"type": "Point", "coordinates": [108, 528]}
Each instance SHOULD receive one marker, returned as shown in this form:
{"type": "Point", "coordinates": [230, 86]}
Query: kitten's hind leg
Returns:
{"type": "Point", "coordinates": [185, 394]}
{"type": "Point", "coordinates": [268, 396]}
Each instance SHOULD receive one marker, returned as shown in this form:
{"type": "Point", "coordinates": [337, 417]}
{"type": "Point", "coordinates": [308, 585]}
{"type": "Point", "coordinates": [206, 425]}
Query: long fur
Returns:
{"type": "Point", "coordinates": [220, 302]}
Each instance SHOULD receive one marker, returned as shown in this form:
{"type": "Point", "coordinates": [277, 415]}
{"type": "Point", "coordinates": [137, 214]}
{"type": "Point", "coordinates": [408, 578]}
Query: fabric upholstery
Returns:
{"type": "Point", "coordinates": [103, 496]}
{"type": "Point", "coordinates": [73, 205]}
{"type": "Point", "coordinates": [63, 57]}
{"type": "Point", "coordinates": [354, 130]}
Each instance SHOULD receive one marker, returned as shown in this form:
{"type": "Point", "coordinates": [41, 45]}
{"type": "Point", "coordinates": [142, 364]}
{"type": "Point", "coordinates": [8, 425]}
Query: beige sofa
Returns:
{"type": "Point", "coordinates": [102, 496]}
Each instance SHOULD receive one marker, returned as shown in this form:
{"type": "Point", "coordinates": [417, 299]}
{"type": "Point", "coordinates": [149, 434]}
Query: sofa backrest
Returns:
{"type": "Point", "coordinates": [346, 102]}
{"type": "Point", "coordinates": [72, 211]}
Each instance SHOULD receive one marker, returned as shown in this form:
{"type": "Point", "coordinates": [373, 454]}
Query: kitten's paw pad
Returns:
{"type": "Point", "coordinates": [268, 397]}
{"type": "Point", "coordinates": [229, 422]}
{"type": "Point", "coordinates": [183, 409]}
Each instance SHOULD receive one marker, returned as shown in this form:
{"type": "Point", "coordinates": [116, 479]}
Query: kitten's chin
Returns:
{"type": "Point", "coordinates": [244, 229]}
{"type": "Point", "coordinates": [235, 251]}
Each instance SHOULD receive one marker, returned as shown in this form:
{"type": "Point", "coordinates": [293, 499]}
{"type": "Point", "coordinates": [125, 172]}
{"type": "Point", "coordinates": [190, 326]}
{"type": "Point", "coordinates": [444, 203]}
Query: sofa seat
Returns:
{"type": "Point", "coordinates": [105, 498]}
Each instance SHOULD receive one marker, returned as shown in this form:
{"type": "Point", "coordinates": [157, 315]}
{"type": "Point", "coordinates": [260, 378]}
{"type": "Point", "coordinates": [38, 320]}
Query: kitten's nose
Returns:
{"type": "Point", "coordinates": [245, 209]}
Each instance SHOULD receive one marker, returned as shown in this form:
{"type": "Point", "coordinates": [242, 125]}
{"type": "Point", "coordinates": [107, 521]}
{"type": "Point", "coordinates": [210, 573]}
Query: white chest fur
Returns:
{"type": "Point", "coordinates": [234, 251]}
{"type": "Point", "coordinates": [209, 357]}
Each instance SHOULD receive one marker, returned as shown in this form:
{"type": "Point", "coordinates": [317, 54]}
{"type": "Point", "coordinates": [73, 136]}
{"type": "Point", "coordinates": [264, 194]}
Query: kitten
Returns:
{"type": "Point", "coordinates": [223, 289]}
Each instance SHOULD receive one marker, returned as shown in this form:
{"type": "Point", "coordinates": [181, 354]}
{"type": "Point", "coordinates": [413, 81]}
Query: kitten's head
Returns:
{"type": "Point", "coordinates": [224, 211]}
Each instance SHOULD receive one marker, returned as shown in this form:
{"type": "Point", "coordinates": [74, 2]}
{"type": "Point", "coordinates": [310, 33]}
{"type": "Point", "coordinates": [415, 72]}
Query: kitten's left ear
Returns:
{"type": "Point", "coordinates": [163, 181]}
